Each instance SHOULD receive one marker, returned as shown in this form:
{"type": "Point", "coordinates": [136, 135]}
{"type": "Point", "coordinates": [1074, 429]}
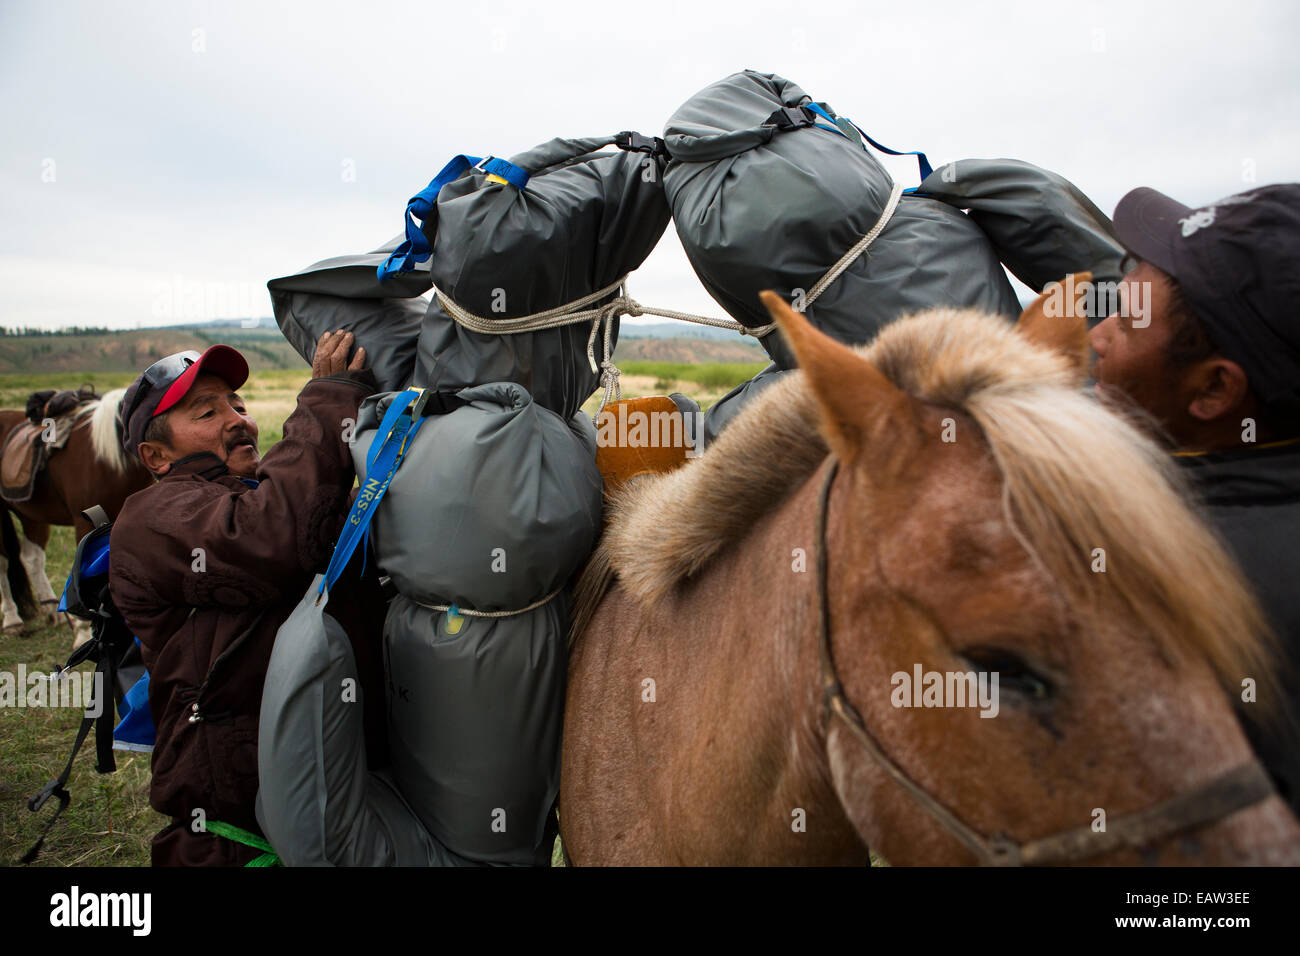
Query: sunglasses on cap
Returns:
{"type": "Point", "coordinates": [161, 374]}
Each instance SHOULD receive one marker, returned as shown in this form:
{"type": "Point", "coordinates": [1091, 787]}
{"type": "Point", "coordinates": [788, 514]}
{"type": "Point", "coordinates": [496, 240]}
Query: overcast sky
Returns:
{"type": "Point", "coordinates": [147, 144]}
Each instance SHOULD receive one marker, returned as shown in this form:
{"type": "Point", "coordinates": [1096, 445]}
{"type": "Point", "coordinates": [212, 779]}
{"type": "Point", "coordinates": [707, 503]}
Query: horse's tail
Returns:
{"type": "Point", "coordinates": [104, 436]}
{"type": "Point", "coordinates": [20, 585]}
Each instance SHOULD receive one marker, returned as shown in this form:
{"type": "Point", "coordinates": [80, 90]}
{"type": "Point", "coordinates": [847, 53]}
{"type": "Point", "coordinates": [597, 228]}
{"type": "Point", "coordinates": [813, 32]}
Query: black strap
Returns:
{"type": "Point", "coordinates": [96, 515]}
{"type": "Point", "coordinates": [791, 117]}
{"type": "Point", "coordinates": [106, 669]}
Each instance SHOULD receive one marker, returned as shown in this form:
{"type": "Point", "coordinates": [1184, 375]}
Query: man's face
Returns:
{"type": "Point", "coordinates": [1132, 358]}
{"type": "Point", "coordinates": [211, 417]}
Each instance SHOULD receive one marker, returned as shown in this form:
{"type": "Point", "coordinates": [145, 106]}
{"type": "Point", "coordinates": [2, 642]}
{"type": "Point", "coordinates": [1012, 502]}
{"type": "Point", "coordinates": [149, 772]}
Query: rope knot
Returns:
{"type": "Point", "coordinates": [620, 305]}
{"type": "Point", "coordinates": [609, 380]}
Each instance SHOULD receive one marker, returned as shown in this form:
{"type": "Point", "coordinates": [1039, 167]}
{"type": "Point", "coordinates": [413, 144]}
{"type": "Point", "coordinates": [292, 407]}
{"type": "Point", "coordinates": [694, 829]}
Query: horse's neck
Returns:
{"type": "Point", "coordinates": [748, 633]}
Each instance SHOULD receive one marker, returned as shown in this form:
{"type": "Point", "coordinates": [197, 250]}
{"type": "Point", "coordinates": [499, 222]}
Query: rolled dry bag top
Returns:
{"type": "Point", "coordinates": [345, 293]}
{"type": "Point", "coordinates": [512, 239]}
{"type": "Point", "coordinates": [769, 190]}
{"type": "Point", "coordinates": [1041, 224]}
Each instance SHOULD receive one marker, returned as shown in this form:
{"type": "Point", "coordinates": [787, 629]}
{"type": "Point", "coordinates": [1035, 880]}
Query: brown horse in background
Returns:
{"type": "Point", "coordinates": [735, 697]}
{"type": "Point", "coordinates": [91, 469]}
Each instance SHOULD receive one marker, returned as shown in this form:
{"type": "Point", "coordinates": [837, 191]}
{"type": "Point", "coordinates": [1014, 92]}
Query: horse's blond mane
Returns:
{"type": "Point", "coordinates": [1077, 478]}
{"type": "Point", "coordinates": [103, 431]}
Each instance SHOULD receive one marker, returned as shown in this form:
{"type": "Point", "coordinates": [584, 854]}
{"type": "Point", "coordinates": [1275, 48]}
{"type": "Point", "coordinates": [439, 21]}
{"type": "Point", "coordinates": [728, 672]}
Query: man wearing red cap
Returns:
{"type": "Point", "coordinates": [1215, 364]}
{"type": "Point", "coordinates": [209, 561]}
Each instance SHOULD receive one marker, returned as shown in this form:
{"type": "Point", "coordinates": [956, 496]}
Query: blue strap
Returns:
{"type": "Point", "coordinates": [515, 175]}
{"type": "Point", "coordinates": [415, 248]}
{"type": "Point", "coordinates": [922, 163]}
{"type": "Point", "coordinates": [393, 439]}
{"type": "Point", "coordinates": [398, 405]}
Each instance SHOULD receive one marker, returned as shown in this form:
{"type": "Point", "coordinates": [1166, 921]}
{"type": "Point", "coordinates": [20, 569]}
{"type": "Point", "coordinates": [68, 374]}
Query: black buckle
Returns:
{"type": "Point", "coordinates": [51, 789]}
{"type": "Point", "coordinates": [440, 403]}
{"type": "Point", "coordinates": [637, 143]}
{"type": "Point", "coordinates": [791, 117]}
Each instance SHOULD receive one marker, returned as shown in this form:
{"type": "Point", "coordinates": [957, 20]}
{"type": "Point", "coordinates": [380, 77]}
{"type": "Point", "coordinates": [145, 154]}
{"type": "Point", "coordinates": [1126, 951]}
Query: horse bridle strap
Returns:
{"type": "Point", "coordinates": [1241, 787]}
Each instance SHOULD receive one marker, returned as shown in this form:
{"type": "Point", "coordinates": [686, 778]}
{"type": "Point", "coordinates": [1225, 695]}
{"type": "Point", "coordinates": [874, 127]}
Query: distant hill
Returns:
{"type": "Point", "coordinates": [136, 349]}
{"type": "Point", "coordinates": [678, 330]}
{"type": "Point", "coordinates": [265, 322]}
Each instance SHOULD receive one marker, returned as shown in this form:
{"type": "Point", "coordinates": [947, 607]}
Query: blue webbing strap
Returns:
{"type": "Point", "coordinates": [386, 427]}
{"type": "Point", "coordinates": [415, 248]}
{"type": "Point", "coordinates": [389, 446]}
{"type": "Point", "coordinates": [514, 175]}
{"type": "Point", "coordinates": [922, 163]}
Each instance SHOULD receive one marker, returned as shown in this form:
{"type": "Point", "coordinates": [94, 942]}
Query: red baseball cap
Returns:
{"type": "Point", "coordinates": [221, 360]}
{"type": "Point", "coordinates": [167, 381]}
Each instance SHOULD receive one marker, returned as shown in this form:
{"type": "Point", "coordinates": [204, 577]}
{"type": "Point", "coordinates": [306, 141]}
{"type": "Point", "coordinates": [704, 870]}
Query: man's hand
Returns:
{"type": "Point", "coordinates": [332, 355]}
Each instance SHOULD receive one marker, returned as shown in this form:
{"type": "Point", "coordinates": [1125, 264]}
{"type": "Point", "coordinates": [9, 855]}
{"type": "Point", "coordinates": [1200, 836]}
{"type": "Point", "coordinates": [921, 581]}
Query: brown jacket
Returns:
{"type": "Point", "coordinates": [207, 618]}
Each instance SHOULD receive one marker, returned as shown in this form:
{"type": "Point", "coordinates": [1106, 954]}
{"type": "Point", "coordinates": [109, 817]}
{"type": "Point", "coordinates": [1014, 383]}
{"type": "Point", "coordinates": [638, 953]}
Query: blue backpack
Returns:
{"type": "Point", "coordinates": [135, 731]}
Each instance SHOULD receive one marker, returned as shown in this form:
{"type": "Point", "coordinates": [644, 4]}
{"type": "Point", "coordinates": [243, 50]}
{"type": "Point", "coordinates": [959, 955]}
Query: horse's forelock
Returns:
{"type": "Point", "coordinates": [1083, 485]}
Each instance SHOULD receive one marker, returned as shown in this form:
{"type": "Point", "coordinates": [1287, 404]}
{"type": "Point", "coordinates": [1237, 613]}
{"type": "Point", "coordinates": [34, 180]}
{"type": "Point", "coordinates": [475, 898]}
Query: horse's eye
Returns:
{"type": "Point", "coordinates": [1013, 673]}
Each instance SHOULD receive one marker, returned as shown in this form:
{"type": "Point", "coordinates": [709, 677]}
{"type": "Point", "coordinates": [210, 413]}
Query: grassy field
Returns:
{"type": "Point", "coordinates": [109, 822]}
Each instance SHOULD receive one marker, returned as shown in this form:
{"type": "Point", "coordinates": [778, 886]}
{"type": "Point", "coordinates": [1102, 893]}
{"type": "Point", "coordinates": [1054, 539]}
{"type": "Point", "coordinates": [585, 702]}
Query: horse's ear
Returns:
{"type": "Point", "coordinates": [860, 408]}
{"type": "Point", "coordinates": [1061, 327]}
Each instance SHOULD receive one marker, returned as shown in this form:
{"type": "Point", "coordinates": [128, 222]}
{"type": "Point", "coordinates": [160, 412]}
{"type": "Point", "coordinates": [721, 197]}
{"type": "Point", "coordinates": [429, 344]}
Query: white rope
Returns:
{"type": "Point", "coordinates": [467, 612]}
{"type": "Point", "coordinates": [860, 247]}
{"type": "Point", "coordinates": [623, 304]}
{"type": "Point", "coordinates": [574, 312]}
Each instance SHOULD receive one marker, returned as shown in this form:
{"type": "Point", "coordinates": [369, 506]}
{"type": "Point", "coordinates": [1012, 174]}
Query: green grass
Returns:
{"type": "Point", "coordinates": [708, 375]}
{"type": "Point", "coordinates": [109, 821]}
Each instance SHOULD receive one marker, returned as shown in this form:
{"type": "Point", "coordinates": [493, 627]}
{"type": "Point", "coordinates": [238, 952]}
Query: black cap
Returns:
{"type": "Point", "coordinates": [1237, 261]}
{"type": "Point", "coordinates": [166, 381]}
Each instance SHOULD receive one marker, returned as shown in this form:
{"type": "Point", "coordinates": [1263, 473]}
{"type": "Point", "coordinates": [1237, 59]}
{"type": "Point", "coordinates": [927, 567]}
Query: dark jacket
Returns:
{"type": "Point", "coordinates": [1253, 498]}
{"type": "Point", "coordinates": [207, 619]}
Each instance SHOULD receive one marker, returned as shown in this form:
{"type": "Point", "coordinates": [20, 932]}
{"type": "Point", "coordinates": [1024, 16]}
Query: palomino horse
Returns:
{"type": "Point", "coordinates": [91, 469]}
{"type": "Point", "coordinates": [742, 694]}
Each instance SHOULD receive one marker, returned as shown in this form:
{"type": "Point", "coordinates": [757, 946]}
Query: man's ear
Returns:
{"type": "Point", "coordinates": [1055, 321]}
{"type": "Point", "coordinates": [156, 458]}
{"type": "Point", "coordinates": [1218, 386]}
{"type": "Point", "coordinates": [862, 412]}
